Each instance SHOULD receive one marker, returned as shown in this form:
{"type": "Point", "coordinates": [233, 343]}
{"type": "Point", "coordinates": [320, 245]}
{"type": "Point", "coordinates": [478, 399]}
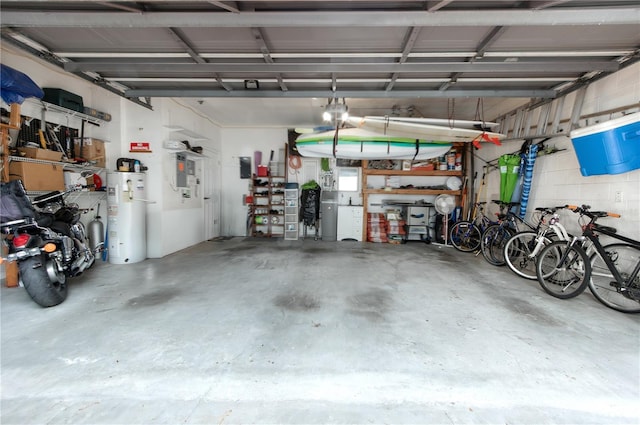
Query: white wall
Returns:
{"type": "Point", "coordinates": [239, 142]}
{"type": "Point", "coordinates": [557, 179]}
{"type": "Point", "coordinates": [173, 222]}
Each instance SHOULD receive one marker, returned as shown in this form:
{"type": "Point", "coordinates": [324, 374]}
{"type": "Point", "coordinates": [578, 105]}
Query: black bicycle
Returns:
{"type": "Point", "coordinates": [564, 269]}
{"type": "Point", "coordinates": [495, 237]}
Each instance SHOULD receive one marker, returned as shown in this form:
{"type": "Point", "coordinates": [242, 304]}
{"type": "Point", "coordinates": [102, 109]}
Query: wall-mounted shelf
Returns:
{"type": "Point", "coordinates": [65, 165]}
{"type": "Point", "coordinates": [186, 132]}
{"type": "Point", "coordinates": [188, 154]}
{"type": "Point", "coordinates": [50, 107]}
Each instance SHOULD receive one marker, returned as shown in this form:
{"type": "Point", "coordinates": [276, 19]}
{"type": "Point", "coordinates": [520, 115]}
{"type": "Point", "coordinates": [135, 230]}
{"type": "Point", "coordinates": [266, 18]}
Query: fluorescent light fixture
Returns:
{"type": "Point", "coordinates": [335, 109]}
{"type": "Point", "coordinates": [120, 55]}
{"type": "Point", "coordinates": [550, 54]}
{"type": "Point", "coordinates": [29, 42]}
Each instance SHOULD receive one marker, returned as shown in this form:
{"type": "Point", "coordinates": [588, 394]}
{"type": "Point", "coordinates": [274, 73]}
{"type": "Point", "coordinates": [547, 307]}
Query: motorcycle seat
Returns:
{"type": "Point", "coordinates": [61, 227]}
{"type": "Point", "coordinates": [44, 220]}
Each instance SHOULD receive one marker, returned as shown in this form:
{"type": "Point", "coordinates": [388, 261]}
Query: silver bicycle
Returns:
{"type": "Point", "coordinates": [521, 250]}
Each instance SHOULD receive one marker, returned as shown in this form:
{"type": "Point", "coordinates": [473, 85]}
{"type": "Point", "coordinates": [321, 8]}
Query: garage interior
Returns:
{"type": "Point", "coordinates": [217, 325]}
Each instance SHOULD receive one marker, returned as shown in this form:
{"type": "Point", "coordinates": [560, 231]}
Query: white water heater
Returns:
{"type": "Point", "coordinates": [126, 217]}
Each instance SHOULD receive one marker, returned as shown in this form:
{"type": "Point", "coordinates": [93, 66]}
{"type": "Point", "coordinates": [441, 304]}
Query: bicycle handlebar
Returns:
{"type": "Point", "coordinates": [593, 215]}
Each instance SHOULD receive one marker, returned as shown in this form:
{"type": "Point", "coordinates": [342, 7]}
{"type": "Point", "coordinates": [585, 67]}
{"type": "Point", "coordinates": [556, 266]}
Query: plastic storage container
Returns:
{"type": "Point", "coordinates": [611, 147]}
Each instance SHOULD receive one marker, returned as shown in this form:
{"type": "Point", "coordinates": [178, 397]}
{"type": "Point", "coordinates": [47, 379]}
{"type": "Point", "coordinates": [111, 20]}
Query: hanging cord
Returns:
{"type": "Point", "coordinates": [295, 162]}
{"type": "Point", "coordinates": [480, 113]}
{"type": "Point", "coordinates": [417, 151]}
{"type": "Point", "coordinates": [451, 112]}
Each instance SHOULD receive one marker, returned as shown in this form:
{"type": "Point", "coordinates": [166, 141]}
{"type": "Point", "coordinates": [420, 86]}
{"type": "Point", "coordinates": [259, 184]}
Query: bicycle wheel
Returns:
{"type": "Point", "coordinates": [485, 241]}
{"type": "Point", "coordinates": [562, 270]}
{"type": "Point", "coordinates": [465, 236]}
{"type": "Point", "coordinates": [496, 248]}
{"type": "Point", "coordinates": [518, 253]}
{"type": "Point", "coordinates": [604, 286]}
{"type": "Point", "coordinates": [492, 244]}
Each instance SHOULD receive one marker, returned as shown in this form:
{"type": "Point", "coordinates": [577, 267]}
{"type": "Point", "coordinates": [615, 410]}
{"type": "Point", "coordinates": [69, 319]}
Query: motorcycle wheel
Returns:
{"type": "Point", "coordinates": [36, 282]}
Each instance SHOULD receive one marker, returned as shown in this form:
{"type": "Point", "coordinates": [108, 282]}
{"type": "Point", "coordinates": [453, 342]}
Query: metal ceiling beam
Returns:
{"type": "Point", "coordinates": [432, 6]}
{"type": "Point", "coordinates": [481, 48]}
{"type": "Point", "coordinates": [229, 6]}
{"type": "Point", "coordinates": [393, 94]}
{"type": "Point", "coordinates": [258, 36]}
{"type": "Point", "coordinates": [181, 39]}
{"type": "Point", "coordinates": [551, 3]}
{"type": "Point", "coordinates": [491, 18]}
{"type": "Point", "coordinates": [121, 6]}
{"type": "Point", "coordinates": [550, 67]}
{"type": "Point", "coordinates": [56, 62]}
{"type": "Point", "coordinates": [410, 41]}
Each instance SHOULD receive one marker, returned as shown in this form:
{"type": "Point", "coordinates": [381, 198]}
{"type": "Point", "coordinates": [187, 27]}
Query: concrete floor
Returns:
{"type": "Point", "coordinates": [262, 331]}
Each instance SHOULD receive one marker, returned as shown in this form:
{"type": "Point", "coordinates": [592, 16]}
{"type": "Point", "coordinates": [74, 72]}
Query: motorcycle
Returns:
{"type": "Point", "coordinates": [46, 238]}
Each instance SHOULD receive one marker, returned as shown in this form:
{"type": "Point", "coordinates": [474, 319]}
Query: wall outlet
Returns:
{"type": "Point", "coordinates": [618, 196]}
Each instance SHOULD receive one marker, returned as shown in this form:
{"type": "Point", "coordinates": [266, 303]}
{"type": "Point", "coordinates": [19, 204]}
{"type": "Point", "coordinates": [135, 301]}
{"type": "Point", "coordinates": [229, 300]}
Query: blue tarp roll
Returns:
{"type": "Point", "coordinates": [16, 86]}
{"type": "Point", "coordinates": [529, 162]}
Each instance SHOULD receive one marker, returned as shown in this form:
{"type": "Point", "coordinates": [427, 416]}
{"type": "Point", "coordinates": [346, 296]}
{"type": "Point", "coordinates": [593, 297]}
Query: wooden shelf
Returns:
{"type": "Point", "coordinates": [9, 127]}
{"type": "Point", "coordinates": [366, 172]}
{"type": "Point", "coordinates": [412, 192]}
{"type": "Point", "coordinates": [375, 172]}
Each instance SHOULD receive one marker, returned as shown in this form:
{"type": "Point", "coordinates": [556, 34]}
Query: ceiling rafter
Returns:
{"type": "Point", "coordinates": [481, 48]}
{"type": "Point", "coordinates": [552, 3]}
{"type": "Point", "coordinates": [155, 19]}
{"type": "Point", "coordinates": [121, 6]}
{"type": "Point", "coordinates": [393, 94]}
{"type": "Point", "coordinates": [179, 36]}
{"type": "Point", "coordinates": [548, 67]}
{"type": "Point", "coordinates": [409, 43]}
{"type": "Point", "coordinates": [509, 59]}
{"type": "Point", "coordinates": [433, 6]}
{"type": "Point", "coordinates": [229, 6]}
{"type": "Point", "coordinates": [258, 36]}
{"type": "Point", "coordinates": [333, 55]}
{"type": "Point", "coordinates": [56, 61]}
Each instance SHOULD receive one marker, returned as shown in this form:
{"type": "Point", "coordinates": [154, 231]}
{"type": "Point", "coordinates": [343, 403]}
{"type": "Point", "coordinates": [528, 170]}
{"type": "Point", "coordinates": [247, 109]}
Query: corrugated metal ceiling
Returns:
{"type": "Point", "coordinates": [421, 57]}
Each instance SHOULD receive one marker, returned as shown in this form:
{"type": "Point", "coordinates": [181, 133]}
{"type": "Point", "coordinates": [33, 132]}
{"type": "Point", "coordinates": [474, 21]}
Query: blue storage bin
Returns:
{"type": "Point", "coordinates": [611, 147]}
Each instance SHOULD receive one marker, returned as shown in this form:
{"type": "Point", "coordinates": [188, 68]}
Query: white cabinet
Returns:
{"type": "Point", "coordinates": [349, 223]}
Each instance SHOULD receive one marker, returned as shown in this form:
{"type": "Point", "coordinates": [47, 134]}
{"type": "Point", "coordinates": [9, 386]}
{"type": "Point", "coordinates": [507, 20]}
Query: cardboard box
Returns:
{"type": "Point", "coordinates": [73, 179]}
{"type": "Point", "coordinates": [37, 153]}
{"type": "Point", "coordinates": [92, 150]}
{"type": "Point", "coordinates": [37, 177]}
